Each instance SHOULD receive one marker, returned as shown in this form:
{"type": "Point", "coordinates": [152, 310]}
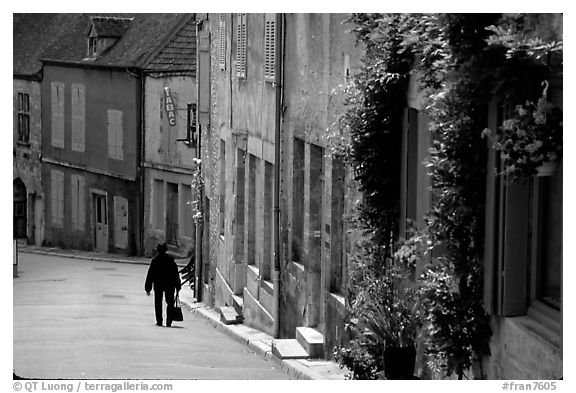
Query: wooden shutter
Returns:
{"type": "Point", "coordinates": [81, 210]}
{"type": "Point", "coordinates": [514, 273]}
{"type": "Point", "coordinates": [57, 103]}
{"type": "Point", "coordinates": [120, 222]}
{"type": "Point", "coordinates": [203, 71]}
{"type": "Point", "coordinates": [78, 113]}
{"type": "Point", "coordinates": [74, 202]}
{"type": "Point", "coordinates": [241, 45]}
{"type": "Point", "coordinates": [119, 136]}
{"type": "Point", "coordinates": [115, 134]}
{"type": "Point", "coordinates": [53, 197]}
{"type": "Point", "coordinates": [270, 48]}
{"type": "Point", "coordinates": [222, 42]}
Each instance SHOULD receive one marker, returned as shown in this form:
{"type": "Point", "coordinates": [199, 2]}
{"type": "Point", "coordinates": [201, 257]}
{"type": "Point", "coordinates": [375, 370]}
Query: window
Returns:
{"type": "Point", "coordinates": [222, 41]}
{"type": "Point", "coordinates": [523, 246]}
{"type": "Point", "coordinates": [78, 120]}
{"type": "Point", "coordinates": [222, 185]}
{"type": "Point", "coordinates": [241, 46]}
{"type": "Point", "coordinates": [547, 240]}
{"type": "Point", "coordinates": [57, 101]}
{"type": "Point", "coordinates": [268, 220]}
{"type": "Point", "coordinates": [77, 208]}
{"type": "Point", "coordinates": [115, 135]}
{"type": "Point", "coordinates": [253, 163]}
{"type": "Point", "coordinates": [57, 198]}
{"type": "Point", "coordinates": [239, 238]}
{"type": "Point", "coordinates": [92, 46]}
{"type": "Point", "coordinates": [23, 118]}
{"type": "Point", "coordinates": [337, 260]}
{"type": "Point", "coordinates": [270, 48]}
{"type": "Point", "coordinates": [298, 201]}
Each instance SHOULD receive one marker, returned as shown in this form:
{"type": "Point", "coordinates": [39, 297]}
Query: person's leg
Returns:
{"type": "Point", "coordinates": [158, 306]}
{"type": "Point", "coordinates": [169, 294]}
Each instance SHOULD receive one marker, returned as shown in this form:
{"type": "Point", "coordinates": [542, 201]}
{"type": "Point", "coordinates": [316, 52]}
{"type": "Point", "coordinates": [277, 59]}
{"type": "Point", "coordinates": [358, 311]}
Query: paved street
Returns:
{"type": "Point", "coordinates": [76, 319]}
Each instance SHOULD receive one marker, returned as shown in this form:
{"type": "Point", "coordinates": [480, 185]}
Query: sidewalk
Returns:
{"type": "Point", "coordinates": [257, 341]}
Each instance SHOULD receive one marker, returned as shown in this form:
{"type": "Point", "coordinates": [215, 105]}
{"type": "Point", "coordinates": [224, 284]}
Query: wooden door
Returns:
{"type": "Point", "coordinates": [172, 213]}
{"type": "Point", "coordinates": [101, 222]}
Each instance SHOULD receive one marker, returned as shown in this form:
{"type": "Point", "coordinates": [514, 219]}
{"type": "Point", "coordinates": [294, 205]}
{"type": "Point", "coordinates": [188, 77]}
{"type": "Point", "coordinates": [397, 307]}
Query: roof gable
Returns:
{"type": "Point", "coordinates": [108, 26]}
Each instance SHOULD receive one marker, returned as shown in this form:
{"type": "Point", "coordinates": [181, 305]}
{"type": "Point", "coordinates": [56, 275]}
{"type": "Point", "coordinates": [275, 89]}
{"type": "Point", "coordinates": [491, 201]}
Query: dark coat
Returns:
{"type": "Point", "coordinates": [163, 274]}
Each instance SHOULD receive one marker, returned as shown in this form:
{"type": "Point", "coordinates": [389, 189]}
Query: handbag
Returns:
{"type": "Point", "coordinates": [176, 314]}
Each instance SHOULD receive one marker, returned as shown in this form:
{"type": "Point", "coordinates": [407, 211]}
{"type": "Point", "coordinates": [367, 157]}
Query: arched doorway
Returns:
{"type": "Point", "coordinates": [20, 201]}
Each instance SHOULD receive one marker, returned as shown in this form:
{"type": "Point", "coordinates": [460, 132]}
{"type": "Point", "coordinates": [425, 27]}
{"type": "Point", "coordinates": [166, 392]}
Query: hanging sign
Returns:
{"type": "Point", "coordinates": [170, 107]}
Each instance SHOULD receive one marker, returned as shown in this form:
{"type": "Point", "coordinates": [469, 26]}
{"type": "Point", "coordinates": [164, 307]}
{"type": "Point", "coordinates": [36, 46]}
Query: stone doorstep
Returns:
{"type": "Point", "coordinates": [228, 316]}
{"type": "Point", "coordinates": [311, 340]}
{"type": "Point", "coordinates": [288, 349]}
{"type": "Point", "coordinates": [238, 303]}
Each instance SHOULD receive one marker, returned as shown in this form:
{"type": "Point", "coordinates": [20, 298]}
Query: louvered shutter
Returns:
{"type": "Point", "coordinates": [270, 48]}
{"type": "Point", "coordinates": [203, 75]}
{"type": "Point", "coordinates": [222, 32]}
{"type": "Point", "coordinates": [241, 46]}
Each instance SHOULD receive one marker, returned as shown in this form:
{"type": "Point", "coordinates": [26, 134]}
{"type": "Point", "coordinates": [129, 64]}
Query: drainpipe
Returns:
{"type": "Point", "coordinates": [277, 139]}
{"type": "Point", "coordinates": [142, 158]}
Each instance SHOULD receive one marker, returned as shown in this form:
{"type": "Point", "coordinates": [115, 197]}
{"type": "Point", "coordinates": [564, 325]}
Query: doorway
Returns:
{"type": "Point", "coordinates": [101, 222]}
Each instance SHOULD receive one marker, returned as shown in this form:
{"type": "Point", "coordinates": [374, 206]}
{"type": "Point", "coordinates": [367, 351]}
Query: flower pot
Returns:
{"type": "Point", "coordinates": [399, 362]}
{"type": "Point", "coordinates": [546, 169]}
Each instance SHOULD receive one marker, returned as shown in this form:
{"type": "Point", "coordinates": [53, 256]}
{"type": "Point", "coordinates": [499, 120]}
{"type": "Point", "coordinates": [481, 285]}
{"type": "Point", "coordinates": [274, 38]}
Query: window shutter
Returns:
{"type": "Point", "coordinates": [516, 247]}
{"type": "Point", "coordinates": [120, 222]}
{"type": "Point", "coordinates": [57, 103]}
{"type": "Point", "coordinates": [241, 46]}
{"type": "Point", "coordinates": [74, 193]}
{"type": "Point", "coordinates": [270, 48]}
{"type": "Point", "coordinates": [53, 197]}
{"type": "Point", "coordinates": [222, 54]}
{"type": "Point", "coordinates": [78, 113]}
{"type": "Point", "coordinates": [115, 134]}
{"type": "Point", "coordinates": [81, 211]}
{"type": "Point", "coordinates": [203, 71]}
{"type": "Point", "coordinates": [111, 134]}
{"type": "Point", "coordinates": [119, 136]}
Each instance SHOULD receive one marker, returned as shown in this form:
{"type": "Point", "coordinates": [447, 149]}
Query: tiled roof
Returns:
{"type": "Point", "coordinates": [179, 54]}
{"type": "Point", "coordinates": [110, 26]}
{"type": "Point", "coordinates": [32, 33]}
{"type": "Point", "coordinates": [143, 38]}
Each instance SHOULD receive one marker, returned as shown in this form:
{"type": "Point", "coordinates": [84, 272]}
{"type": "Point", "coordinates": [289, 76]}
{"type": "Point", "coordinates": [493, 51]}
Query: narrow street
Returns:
{"type": "Point", "coordinates": [76, 319]}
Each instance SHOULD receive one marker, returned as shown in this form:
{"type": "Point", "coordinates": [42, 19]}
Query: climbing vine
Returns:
{"type": "Point", "coordinates": [465, 60]}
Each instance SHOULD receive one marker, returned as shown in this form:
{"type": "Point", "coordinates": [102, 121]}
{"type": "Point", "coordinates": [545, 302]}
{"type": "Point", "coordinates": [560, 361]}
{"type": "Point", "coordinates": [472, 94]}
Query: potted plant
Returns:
{"type": "Point", "coordinates": [530, 142]}
{"type": "Point", "coordinates": [392, 319]}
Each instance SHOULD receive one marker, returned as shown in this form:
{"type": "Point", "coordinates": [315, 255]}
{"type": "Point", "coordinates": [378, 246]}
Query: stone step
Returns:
{"type": "Point", "coordinates": [229, 316]}
{"type": "Point", "coordinates": [311, 340]}
{"type": "Point", "coordinates": [288, 349]}
{"type": "Point", "coordinates": [238, 303]}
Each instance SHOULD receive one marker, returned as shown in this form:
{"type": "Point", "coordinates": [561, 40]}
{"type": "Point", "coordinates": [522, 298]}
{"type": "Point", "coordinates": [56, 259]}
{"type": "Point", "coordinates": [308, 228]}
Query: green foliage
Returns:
{"type": "Point", "coordinates": [465, 61]}
{"type": "Point", "coordinates": [528, 139]}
